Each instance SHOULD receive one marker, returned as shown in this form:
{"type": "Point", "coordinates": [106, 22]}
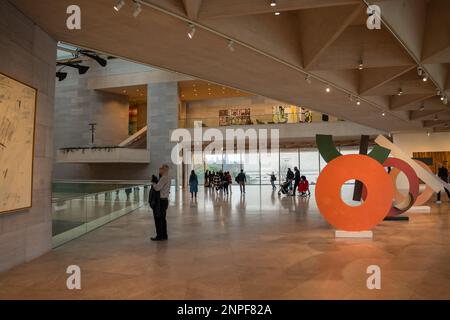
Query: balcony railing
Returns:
{"type": "Point", "coordinates": [250, 120]}
{"type": "Point", "coordinates": [75, 216]}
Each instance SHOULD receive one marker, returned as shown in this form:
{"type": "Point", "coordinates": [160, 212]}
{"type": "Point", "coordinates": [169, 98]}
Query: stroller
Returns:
{"type": "Point", "coordinates": [285, 188]}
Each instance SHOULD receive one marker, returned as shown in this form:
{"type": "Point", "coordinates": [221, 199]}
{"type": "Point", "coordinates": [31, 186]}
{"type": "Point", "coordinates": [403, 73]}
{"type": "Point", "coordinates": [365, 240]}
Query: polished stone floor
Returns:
{"type": "Point", "coordinates": [257, 246]}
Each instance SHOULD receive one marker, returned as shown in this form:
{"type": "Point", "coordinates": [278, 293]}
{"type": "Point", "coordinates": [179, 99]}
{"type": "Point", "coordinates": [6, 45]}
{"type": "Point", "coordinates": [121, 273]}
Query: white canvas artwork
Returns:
{"type": "Point", "coordinates": [17, 124]}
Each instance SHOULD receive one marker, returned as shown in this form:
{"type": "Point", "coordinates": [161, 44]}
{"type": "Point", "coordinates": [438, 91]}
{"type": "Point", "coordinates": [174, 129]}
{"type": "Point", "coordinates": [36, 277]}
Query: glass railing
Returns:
{"type": "Point", "coordinates": [257, 119]}
{"type": "Point", "coordinates": [75, 216]}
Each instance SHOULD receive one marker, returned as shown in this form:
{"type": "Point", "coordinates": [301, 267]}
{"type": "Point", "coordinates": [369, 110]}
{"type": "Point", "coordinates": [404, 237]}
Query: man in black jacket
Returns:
{"type": "Point", "coordinates": [443, 174]}
{"type": "Point", "coordinates": [296, 179]}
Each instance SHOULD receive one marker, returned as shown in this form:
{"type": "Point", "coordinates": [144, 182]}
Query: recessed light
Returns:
{"type": "Point", "coordinates": [383, 114]}
{"type": "Point", "coordinates": [273, 3]}
{"type": "Point", "coordinates": [400, 92]}
{"type": "Point", "coordinates": [327, 89]}
{"type": "Point", "coordinates": [277, 13]}
{"type": "Point", "coordinates": [358, 103]}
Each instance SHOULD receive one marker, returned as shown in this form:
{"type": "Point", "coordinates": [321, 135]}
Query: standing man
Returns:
{"type": "Point", "coordinates": [443, 174]}
{"type": "Point", "coordinates": [241, 179]}
{"type": "Point", "coordinates": [163, 186]}
{"type": "Point", "coordinates": [296, 179]}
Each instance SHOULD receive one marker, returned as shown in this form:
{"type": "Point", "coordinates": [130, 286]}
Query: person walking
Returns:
{"type": "Point", "coordinates": [206, 178]}
{"type": "Point", "coordinates": [193, 185]}
{"type": "Point", "coordinates": [163, 186]}
{"type": "Point", "coordinates": [241, 179]}
{"type": "Point", "coordinates": [225, 182]}
{"type": "Point", "coordinates": [296, 179]}
{"type": "Point", "coordinates": [273, 178]}
{"type": "Point", "coordinates": [443, 175]}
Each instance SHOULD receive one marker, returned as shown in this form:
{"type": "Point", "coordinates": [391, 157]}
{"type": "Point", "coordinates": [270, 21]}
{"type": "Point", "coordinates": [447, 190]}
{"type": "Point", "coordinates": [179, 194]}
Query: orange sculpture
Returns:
{"type": "Point", "coordinates": [378, 185]}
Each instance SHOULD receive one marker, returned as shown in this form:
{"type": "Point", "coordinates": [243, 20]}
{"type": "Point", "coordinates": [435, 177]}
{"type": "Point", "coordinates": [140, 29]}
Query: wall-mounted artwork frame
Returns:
{"type": "Point", "coordinates": [18, 103]}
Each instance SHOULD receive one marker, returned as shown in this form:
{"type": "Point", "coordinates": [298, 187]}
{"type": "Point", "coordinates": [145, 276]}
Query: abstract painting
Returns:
{"type": "Point", "coordinates": [17, 124]}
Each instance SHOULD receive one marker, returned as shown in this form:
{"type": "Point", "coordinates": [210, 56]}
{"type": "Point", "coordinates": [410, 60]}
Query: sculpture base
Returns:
{"type": "Point", "coordinates": [398, 218]}
{"type": "Point", "coordinates": [353, 234]}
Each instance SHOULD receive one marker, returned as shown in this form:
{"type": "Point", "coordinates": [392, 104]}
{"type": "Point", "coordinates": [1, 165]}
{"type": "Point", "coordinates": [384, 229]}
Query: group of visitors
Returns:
{"type": "Point", "coordinates": [222, 181]}
{"type": "Point", "coordinates": [296, 182]}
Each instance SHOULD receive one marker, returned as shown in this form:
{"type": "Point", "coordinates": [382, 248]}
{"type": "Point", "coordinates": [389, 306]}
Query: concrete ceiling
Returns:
{"type": "Point", "coordinates": [327, 39]}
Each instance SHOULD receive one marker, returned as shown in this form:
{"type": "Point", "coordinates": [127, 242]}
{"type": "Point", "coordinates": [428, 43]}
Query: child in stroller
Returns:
{"type": "Point", "coordinates": [285, 188]}
{"type": "Point", "coordinates": [303, 187]}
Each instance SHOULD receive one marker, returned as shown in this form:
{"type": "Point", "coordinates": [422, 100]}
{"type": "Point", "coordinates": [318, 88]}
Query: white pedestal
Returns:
{"type": "Point", "coordinates": [353, 234]}
{"type": "Point", "coordinates": [419, 209]}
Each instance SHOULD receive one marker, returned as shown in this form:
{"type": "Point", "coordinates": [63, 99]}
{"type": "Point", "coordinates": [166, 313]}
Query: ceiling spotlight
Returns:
{"type": "Point", "coordinates": [425, 78]}
{"type": "Point", "coordinates": [445, 101]}
{"type": "Point", "coordinates": [358, 103]}
{"type": "Point", "coordinates": [61, 75]}
{"type": "Point", "coordinates": [419, 71]}
{"type": "Point", "coordinates": [422, 107]}
{"type": "Point", "coordinates": [119, 5]}
{"type": "Point", "coordinates": [360, 66]}
{"type": "Point", "coordinates": [94, 56]}
{"type": "Point", "coordinates": [400, 92]}
{"type": "Point", "coordinates": [327, 89]}
{"type": "Point", "coordinates": [81, 69]}
{"type": "Point", "coordinates": [428, 133]}
{"type": "Point", "coordinates": [231, 45]}
{"type": "Point", "coordinates": [137, 8]}
{"type": "Point", "coordinates": [277, 13]}
{"type": "Point", "coordinates": [273, 3]}
{"type": "Point", "coordinates": [383, 114]}
{"type": "Point", "coordinates": [442, 98]}
{"type": "Point", "coordinates": [191, 33]}
{"type": "Point", "coordinates": [308, 79]}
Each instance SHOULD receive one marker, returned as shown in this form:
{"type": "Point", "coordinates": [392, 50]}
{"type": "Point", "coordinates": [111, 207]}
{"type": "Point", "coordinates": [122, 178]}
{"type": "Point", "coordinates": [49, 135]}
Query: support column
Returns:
{"type": "Point", "coordinates": [162, 118]}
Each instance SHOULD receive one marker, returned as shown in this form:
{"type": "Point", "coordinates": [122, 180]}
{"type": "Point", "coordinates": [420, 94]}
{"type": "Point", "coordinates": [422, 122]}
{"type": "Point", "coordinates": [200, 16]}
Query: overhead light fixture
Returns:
{"type": "Point", "coordinates": [428, 133]}
{"type": "Point", "coordinates": [277, 13]}
{"type": "Point", "coordinates": [231, 45]}
{"type": "Point", "coordinates": [425, 78]}
{"type": "Point", "coordinates": [436, 118]}
{"type": "Point", "coordinates": [137, 8]}
{"type": "Point", "coordinates": [119, 5]}
{"type": "Point", "coordinates": [61, 75]}
{"type": "Point", "coordinates": [94, 56]}
{"type": "Point", "coordinates": [308, 79]}
{"type": "Point", "coordinates": [445, 101]}
{"type": "Point", "coordinates": [419, 71]}
{"type": "Point", "coordinates": [360, 66]}
{"type": "Point", "coordinates": [273, 3]}
{"type": "Point", "coordinates": [422, 107]}
{"type": "Point", "coordinates": [358, 103]}
{"type": "Point", "coordinates": [191, 32]}
{"type": "Point", "coordinates": [350, 97]}
{"type": "Point", "coordinates": [327, 89]}
{"type": "Point", "coordinates": [442, 98]}
{"type": "Point", "coordinates": [383, 114]}
{"type": "Point", "coordinates": [400, 92]}
{"type": "Point", "coordinates": [81, 69]}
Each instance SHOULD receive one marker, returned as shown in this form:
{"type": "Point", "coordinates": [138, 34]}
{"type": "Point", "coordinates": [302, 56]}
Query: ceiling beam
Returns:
{"type": "Point", "coordinates": [192, 8]}
{"type": "Point", "coordinates": [233, 8]}
{"type": "Point", "coordinates": [419, 115]}
{"type": "Point", "coordinates": [396, 102]}
{"type": "Point", "coordinates": [314, 43]}
{"type": "Point", "coordinates": [434, 123]}
{"type": "Point", "coordinates": [374, 48]}
{"type": "Point", "coordinates": [372, 78]}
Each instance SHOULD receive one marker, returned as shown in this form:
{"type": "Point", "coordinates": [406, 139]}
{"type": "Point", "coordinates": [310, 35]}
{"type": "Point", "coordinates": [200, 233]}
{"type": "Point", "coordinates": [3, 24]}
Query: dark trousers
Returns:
{"type": "Point", "coordinates": [160, 219]}
{"type": "Point", "coordinates": [439, 195]}
{"type": "Point", "coordinates": [296, 182]}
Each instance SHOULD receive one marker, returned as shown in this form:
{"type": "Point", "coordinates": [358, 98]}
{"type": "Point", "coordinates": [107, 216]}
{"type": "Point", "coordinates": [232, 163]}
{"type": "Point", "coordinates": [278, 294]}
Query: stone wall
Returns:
{"type": "Point", "coordinates": [28, 54]}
